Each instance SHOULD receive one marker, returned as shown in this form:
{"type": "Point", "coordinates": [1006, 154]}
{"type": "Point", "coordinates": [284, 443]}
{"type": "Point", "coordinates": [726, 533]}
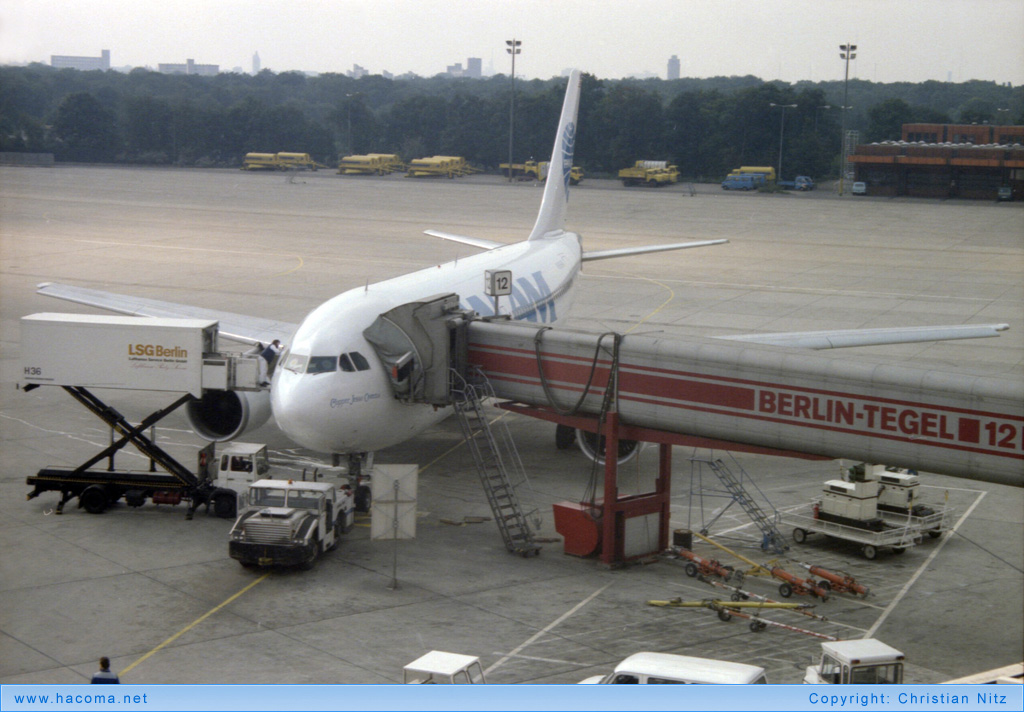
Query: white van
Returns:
{"type": "Point", "coordinates": [668, 669]}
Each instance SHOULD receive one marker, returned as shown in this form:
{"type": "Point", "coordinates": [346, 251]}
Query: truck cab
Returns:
{"type": "Point", "coordinates": [230, 472]}
{"type": "Point", "coordinates": [439, 667]}
{"type": "Point", "coordinates": [290, 523]}
{"type": "Point", "coordinates": [856, 662]}
{"type": "Point", "coordinates": [669, 669]}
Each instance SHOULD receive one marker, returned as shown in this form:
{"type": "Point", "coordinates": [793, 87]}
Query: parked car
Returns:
{"type": "Point", "coordinates": [666, 668]}
{"type": "Point", "coordinates": [860, 188]}
{"type": "Point", "coordinates": [1005, 193]}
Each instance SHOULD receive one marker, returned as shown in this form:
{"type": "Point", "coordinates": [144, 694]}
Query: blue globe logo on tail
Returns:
{"type": "Point", "coordinates": [568, 146]}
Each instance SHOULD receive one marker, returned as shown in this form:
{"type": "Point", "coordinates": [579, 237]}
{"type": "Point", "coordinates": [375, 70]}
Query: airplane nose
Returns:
{"type": "Point", "coordinates": [292, 398]}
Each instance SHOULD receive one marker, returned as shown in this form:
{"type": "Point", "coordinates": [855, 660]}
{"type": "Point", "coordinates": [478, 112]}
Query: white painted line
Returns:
{"type": "Point", "coordinates": [543, 660]}
{"type": "Point", "coordinates": [922, 567]}
{"type": "Point", "coordinates": [547, 628]}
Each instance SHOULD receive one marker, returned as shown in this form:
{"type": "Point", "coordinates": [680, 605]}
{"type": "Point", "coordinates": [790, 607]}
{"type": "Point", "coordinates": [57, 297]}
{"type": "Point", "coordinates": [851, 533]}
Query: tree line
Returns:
{"type": "Point", "coordinates": [704, 126]}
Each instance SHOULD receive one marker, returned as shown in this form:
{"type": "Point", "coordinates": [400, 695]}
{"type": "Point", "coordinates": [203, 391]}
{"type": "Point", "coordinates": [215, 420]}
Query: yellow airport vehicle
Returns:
{"type": "Point", "coordinates": [764, 174]}
{"type": "Point", "coordinates": [281, 161]}
{"type": "Point", "coordinates": [261, 161]}
{"type": "Point", "coordinates": [444, 166]}
{"type": "Point", "coordinates": [649, 173]}
{"type": "Point", "coordinates": [370, 164]}
{"type": "Point", "coordinates": [538, 170]}
{"type": "Point", "coordinates": [297, 161]}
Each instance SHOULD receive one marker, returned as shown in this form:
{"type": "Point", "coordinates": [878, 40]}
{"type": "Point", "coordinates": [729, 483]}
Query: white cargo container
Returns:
{"type": "Point", "coordinates": [97, 351]}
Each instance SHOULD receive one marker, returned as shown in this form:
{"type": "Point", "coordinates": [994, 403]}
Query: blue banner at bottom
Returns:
{"type": "Point", "coordinates": [509, 698]}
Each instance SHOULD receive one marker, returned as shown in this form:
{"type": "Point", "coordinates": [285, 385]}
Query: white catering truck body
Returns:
{"type": "Point", "coordinates": [95, 351]}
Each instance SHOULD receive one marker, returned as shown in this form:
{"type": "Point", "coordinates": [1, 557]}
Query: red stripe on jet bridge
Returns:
{"type": "Point", "coordinates": [564, 375]}
{"type": "Point", "coordinates": [556, 368]}
{"type": "Point", "coordinates": [686, 390]}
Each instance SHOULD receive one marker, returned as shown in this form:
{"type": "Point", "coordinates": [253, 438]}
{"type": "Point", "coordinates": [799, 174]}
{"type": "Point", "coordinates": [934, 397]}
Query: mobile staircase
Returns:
{"type": "Point", "coordinates": [497, 460]}
{"type": "Point", "coordinates": [771, 538]}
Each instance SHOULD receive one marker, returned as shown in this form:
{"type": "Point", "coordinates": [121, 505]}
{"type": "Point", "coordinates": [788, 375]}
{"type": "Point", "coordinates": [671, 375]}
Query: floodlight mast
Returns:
{"type": "Point", "coordinates": [848, 52]}
{"type": "Point", "coordinates": [513, 49]}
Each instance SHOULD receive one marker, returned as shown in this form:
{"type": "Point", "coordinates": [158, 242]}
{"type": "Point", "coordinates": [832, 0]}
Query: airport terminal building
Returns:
{"type": "Point", "coordinates": [945, 161]}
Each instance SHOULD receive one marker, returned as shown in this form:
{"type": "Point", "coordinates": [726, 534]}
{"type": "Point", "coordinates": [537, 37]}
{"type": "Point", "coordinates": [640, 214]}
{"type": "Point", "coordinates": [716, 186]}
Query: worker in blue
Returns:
{"type": "Point", "coordinates": [104, 676]}
{"type": "Point", "coordinates": [269, 354]}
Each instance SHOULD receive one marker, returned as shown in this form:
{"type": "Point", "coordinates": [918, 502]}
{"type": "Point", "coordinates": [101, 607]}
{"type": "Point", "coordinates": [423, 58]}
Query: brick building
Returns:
{"type": "Point", "coordinates": [944, 161]}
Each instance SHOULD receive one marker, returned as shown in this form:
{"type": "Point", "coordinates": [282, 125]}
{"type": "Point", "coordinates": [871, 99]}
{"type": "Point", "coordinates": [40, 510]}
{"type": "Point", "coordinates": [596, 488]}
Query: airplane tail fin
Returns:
{"type": "Point", "coordinates": [551, 219]}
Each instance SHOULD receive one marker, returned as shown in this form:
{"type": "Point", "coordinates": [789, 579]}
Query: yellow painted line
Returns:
{"type": "Point", "coordinates": [671, 295]}
{"type": "Point", "coordinates": [193, 624]}
{"type": "Point", "coordinates": [209, 613]}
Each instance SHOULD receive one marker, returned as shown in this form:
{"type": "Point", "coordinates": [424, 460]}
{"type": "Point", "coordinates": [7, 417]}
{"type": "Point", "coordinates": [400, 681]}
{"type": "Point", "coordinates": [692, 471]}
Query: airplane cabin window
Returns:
{"type": "Point", "coordinates": [346, 363]}
{"type": "Point", "coordinates": [321, 364]}
{"type": "Point", "coordinates": [295, 363]}
{"type": "Point", "coordinates": [360, 361]}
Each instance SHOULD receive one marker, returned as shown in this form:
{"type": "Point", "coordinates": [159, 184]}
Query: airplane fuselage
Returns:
{"type": "Point", "coordinates": [331, 392]}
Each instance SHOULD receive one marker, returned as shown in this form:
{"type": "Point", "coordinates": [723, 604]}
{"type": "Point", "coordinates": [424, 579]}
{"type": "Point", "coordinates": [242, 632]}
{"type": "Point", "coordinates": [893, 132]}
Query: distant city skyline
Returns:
{"type": "Point", "coordinates": [791, 40]}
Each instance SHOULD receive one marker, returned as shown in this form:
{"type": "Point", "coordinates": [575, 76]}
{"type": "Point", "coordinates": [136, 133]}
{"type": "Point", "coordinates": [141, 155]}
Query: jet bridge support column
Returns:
{"type": "Point", "coordinates": [621, 531]}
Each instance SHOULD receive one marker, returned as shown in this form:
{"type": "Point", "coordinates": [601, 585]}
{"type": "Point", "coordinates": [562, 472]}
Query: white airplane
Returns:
{"type": "Point", "coordinates": [331, 393]}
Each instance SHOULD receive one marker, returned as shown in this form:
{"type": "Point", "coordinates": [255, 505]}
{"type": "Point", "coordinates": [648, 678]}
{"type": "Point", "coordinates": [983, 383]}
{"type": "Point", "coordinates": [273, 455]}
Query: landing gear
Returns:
{"type": "Point", "coordinates": [358, 463]}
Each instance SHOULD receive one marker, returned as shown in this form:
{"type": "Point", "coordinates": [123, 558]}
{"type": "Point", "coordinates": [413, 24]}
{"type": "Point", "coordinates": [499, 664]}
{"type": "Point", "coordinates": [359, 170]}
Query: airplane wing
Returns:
{"type": "Point", "coordinates": [626, 251]}
{"type": "Point", "coordinates": [838, 339]}
{"type": "Point", "coordinates": [238, 327]}
{"type": "Point", "coordinates": [474, 241]}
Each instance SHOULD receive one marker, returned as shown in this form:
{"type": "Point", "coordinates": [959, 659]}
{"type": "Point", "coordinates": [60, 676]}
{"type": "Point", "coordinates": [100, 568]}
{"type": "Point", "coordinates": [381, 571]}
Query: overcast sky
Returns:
{"type": "Point", "coordinates": [898, 40]}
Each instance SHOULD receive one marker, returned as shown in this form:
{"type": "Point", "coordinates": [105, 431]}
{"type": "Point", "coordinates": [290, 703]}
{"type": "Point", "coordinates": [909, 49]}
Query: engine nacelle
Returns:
{"type": "Point", "coordinates": [593, 447]}
{"type": "Point", "coordinates": [220, 416]}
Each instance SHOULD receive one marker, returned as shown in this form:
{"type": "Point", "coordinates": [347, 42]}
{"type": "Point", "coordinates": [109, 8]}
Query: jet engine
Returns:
{"type": "Point", "coordinates": [593, 447]}
{"type": "Point", "coordinates": [220, 416]}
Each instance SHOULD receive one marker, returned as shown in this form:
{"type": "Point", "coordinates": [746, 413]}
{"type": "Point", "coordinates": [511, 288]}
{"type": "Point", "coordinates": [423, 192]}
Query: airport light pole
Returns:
{"type": "Point", "coordinates": [513, 49]}
{"type": "Point", "coordinates": [848, 52]}
{"type": "Point", "coordinates": [782, 129]}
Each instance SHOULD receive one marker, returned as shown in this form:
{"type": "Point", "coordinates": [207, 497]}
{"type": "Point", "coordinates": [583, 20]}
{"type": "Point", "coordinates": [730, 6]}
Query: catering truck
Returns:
{"type": "Point", "coordinates": [82, 352]}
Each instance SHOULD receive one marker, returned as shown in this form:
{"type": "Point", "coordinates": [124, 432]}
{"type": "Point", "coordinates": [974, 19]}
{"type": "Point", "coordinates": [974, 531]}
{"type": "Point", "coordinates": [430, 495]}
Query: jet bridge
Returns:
{"type": "Point", "coordinates": [703, 392]}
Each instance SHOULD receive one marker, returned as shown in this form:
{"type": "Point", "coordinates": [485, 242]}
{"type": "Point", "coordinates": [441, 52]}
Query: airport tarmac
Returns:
{"type": "Point", "coordinates": [159, 594]}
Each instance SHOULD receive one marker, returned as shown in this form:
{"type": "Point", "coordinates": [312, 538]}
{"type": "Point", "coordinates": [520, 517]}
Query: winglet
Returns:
{"type": "Point", "coordinates": [551, 219]}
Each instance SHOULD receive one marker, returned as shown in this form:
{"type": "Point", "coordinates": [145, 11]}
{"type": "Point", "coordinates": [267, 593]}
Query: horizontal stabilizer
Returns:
{"type": "Point", "coordinates": [626, 251]}
{"type": "Point", "coordinates": [474, 241]}
{"type": "Point", "coordinates": [238, 327]}
{"type": "Point", "coordinates": [840, 339]}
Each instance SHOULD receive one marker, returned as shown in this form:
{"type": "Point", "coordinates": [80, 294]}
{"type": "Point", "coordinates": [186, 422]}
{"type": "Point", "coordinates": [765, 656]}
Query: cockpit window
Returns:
{"type": "Point", "coordinates": [360, 361]}
{"type": "Point", "coordinates": [321, 364]}
{"type": "Point", "coordinates": [295, 363]}
{"type": "Point", "coordinates": [346, 364]}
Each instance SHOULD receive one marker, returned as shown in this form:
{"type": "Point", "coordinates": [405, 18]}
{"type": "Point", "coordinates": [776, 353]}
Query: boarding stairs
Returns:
{"type": "Point", "coordinates": [497, 460]}
{"type": "Point", "coordinates": [768, 524]}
